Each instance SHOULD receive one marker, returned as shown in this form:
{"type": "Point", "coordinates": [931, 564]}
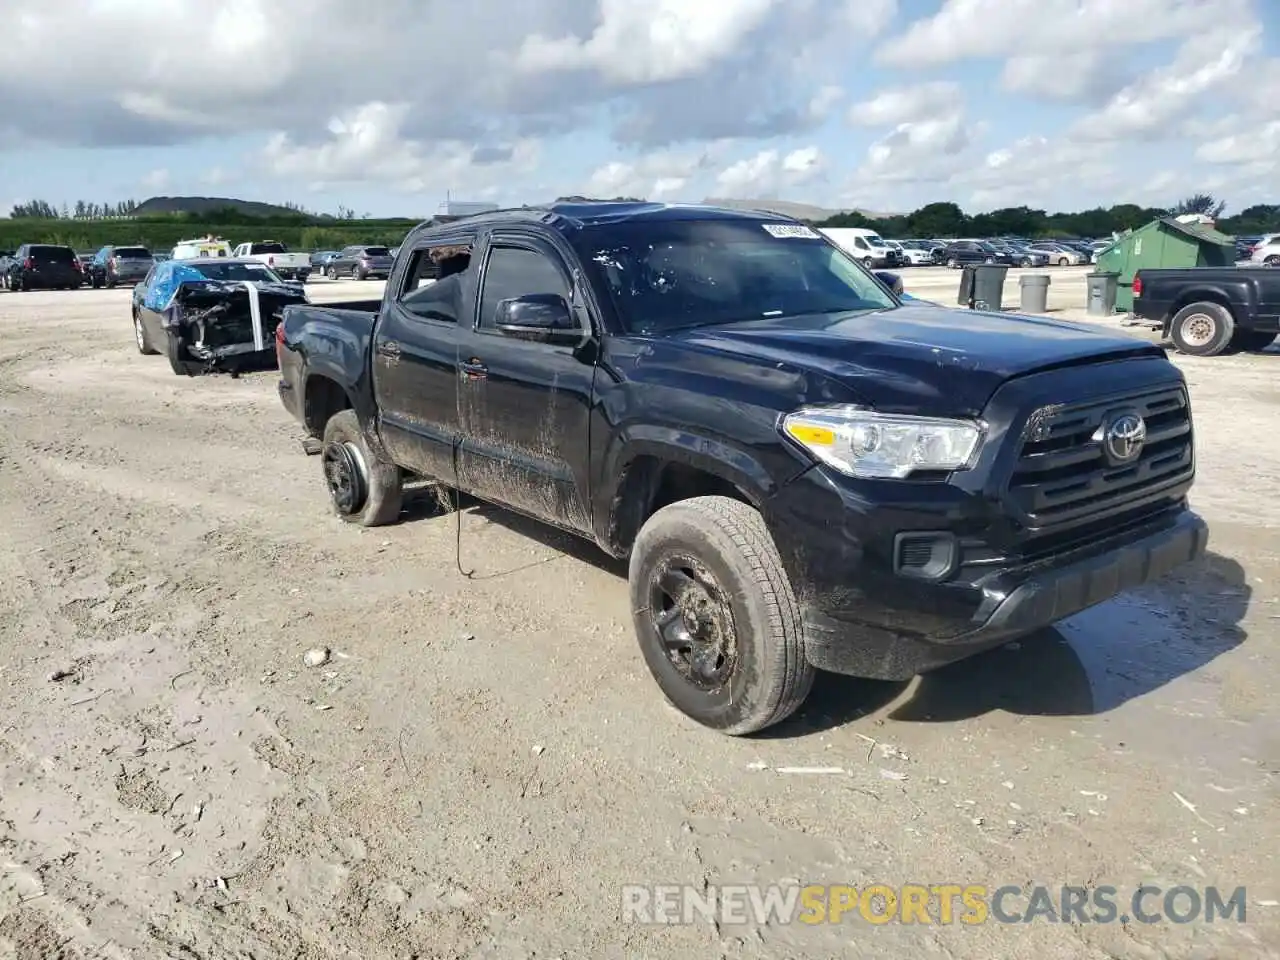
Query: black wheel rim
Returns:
{"type": "Point", "coordinates": [693, 622]}
{"type": "Point", "coordinates": [344, 475]}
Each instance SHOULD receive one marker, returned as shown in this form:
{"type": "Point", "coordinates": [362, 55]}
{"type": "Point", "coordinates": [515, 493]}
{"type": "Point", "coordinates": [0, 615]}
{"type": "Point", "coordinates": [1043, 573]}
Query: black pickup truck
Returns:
{"type": "Point", "coordinates": [805, 472]}
{"type": "Point", "coordinates": [1210, 310]}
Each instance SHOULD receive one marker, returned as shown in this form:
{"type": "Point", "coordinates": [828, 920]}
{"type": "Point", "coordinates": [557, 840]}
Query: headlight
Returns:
{"type": "Point", "coordinates": [863, 443]}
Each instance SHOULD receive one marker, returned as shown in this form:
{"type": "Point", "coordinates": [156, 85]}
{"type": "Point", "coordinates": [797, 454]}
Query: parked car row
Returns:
{"type": "Point", "coordinates": [57, 266]}
{"type": "Point", "coordinates": [875, 251]}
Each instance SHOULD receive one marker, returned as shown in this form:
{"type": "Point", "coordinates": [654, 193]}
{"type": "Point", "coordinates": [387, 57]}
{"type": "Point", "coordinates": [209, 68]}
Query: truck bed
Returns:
{"type": "Point", "coordinates": [343, 331]}
{"type": "Point", "coordinates": [1252, 293]}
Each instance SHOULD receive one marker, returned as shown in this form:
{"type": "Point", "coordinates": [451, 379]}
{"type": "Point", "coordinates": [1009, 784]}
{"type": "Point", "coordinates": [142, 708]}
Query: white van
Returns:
{"type": "Point", "coordinates": [203, 247]}
{"type": "Point", "coordinates": [862, 244]}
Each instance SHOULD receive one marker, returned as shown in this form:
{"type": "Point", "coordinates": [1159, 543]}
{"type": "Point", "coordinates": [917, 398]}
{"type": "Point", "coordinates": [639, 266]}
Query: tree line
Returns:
{"type": "Point", "coordinates": [948, 220]}
{"type": "Point", "coordinates": [87, 225]}
{"type": "Point", "coordinates": [81, 210]}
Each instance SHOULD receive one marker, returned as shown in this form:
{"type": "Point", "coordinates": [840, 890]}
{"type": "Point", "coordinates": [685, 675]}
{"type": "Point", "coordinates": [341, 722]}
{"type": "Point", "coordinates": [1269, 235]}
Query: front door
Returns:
{"type": "Point", "coordinates": [526, 406]}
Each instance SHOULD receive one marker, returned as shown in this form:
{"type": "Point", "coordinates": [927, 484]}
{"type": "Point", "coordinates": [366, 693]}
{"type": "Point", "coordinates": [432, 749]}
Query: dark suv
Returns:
{"type": "Point", "coordinates": [113, 265]}
{"type": "Point", "coordinates": [964, 252]}
{"type": "Point", "coordinates": [361, 263]}
{"type": "Point", "coordinates": [43, 266]}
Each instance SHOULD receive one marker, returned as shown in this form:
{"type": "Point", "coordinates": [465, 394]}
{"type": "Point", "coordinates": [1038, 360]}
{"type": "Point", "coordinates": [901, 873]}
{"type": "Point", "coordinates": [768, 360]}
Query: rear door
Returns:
{"type": "Point", "coordinates": [526, 406]}
{"type": "Point", "coordinates": [415, 356]}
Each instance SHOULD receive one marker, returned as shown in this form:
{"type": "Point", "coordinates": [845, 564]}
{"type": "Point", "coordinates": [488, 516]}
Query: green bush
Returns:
{"type": "Point", "coordinates": [163, 232]}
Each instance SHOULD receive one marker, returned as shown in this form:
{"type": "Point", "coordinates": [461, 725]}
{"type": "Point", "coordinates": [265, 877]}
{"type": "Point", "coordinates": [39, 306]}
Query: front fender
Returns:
{"type": "Point", "coordinates": [631, 471]}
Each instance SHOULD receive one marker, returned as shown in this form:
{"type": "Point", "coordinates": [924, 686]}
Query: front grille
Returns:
{"type": "Point", "coordinates": [1063, 477]}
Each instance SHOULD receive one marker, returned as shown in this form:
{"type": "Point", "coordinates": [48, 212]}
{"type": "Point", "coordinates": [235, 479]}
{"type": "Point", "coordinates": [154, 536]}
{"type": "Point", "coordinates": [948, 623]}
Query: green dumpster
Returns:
{"type": "Point", "coordinates": [1163, 243]}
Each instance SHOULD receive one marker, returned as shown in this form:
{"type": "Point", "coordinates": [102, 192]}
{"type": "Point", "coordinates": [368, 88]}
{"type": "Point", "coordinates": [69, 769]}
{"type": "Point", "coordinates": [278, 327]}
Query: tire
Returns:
{"type": "Point", "coordinates": [140, 337]}
{"type": "Point", "coordinates": [363, 488]}
{"type": "Point", "coordinates": [989, 260]}
{"type": "Point", "coordinates": [722, 549]}
{"type": "Point", "coordinates": [177, 353]}
{"type": "Point", "coordinates": [19, 284]}
{"type": "Point", "coordinates": [1203, 329]}
{"type": "Point", "coordinates": [110, 283]}
{"type": "Point", "coordinates": [1253, 341]}
{"type": "Point", "coordinates": [1027, 264]}
{"type": "Point", "coordinates": [358, 273]}
{"type": "Point", "coordinates": [1064, 262]}
{"type": "Point", "coordinates": [331, 272]}
{"type": "Point", "coordinates": [1272, 261]}
{"type": "Point", "coordinates": [953, 264]}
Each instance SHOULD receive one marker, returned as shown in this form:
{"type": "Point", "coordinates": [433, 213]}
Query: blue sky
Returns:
{"type": "Point", "coordinates": [875, 104]}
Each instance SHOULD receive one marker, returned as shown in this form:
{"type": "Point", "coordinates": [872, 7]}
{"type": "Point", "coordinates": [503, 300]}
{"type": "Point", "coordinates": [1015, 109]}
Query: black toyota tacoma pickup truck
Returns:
{"type": "Point", "coordinates": [804, 472]}
{"type": "Point", "coordinates": [1210, 310]}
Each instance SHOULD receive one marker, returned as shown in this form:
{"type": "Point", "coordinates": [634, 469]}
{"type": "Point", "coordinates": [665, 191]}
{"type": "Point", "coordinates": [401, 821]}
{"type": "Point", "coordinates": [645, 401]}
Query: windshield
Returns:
{"type": "Point", "coordinates": [234, 272]}
{"type": "Point", "coordinates": [687, 273]}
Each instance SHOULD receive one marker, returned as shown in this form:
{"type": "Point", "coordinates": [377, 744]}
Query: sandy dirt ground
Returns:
{"type": "Point", "coordinates": [483, 762]}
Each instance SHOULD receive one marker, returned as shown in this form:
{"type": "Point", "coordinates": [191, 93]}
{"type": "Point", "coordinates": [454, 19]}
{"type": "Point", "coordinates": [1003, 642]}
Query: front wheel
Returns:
{"type": "Point", "coordinates": [179, 363]}
{"type": "Point", "coordinates": [363, 487]}
{"type": "Point", "coordinates": [1271, 262]}
{"type": "Point", "coordinates": [331, 272]}
{"type": "Point", "coordinates": [1064, 262]}
{"type": "Point", "coordinates": [716, 617]}
{"type": "Point", "coordinates": [1202, 329]}
{"type": "Point", "coordinates": [953, 263]}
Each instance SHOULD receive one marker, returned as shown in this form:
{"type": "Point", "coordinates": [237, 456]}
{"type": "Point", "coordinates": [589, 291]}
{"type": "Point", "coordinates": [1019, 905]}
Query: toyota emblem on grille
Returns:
{"type": "Point", "coordinates": [1122, 437]}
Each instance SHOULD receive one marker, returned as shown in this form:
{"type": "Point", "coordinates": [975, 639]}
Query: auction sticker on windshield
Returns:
{"type": "Point", "coordinates": [789, 231]}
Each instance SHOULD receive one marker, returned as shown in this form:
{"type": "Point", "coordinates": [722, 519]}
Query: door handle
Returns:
{"type": "Point", "coordinates": [473, 369]}
{"type": "Point", "coordinates": [389, 349]}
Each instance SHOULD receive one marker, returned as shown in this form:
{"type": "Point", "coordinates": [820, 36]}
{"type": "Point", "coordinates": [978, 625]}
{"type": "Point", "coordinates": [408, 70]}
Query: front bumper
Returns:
{"type": "Point", "coordinates": [862, 617]}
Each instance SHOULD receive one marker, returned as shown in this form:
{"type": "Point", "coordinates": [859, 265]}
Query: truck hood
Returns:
{"type": "Point", "coordinates": [920, 358]}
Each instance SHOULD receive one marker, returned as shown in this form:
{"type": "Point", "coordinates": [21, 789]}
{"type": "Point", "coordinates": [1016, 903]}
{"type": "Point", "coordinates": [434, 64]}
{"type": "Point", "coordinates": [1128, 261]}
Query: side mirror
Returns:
{"type": "Point", "coordinates": [890, 280]}
{"type": "Point", "coordinates": [541, 317]}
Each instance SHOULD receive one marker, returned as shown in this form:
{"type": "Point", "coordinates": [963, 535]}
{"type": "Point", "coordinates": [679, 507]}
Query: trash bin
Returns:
{"type": "Point", "coordinates": [988, 285]}
{"type": "Point", "coordinates": [965, 295]}
{"type": "Point", "coordinates": [1034, 293]}
{"type": "Point", "coordinates": [1102, 293]}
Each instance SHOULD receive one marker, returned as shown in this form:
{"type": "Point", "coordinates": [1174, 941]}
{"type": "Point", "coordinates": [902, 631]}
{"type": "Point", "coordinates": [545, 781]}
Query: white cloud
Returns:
{"type": "Point", "coordinates": [968, 29]}
{"type": "Point", "coordinates": [656, 176]}
{"type": "Point", "coordinates": [1252, 143]}
{"type": "Point", "coordinates": [1150, 106]}
{"type": "Point", "coordinates": [769, 171]}
{"type": "Point", "coordinates": [898, 105]}
{"type": "Point", "coordinates": [1085, 76]}
{"type": "Point", "coordinates": [1010, 176]}
{"type": "Point", "coordinates": [649, 42]}
{"type": "Point", "coordinates": [666, 99]}
{"type": "Point", "coordinates": [156, 179]}
{"type": "Point", "coordinates": [137, 73]}
{"type": "Point", "coordinates": [368, 144]}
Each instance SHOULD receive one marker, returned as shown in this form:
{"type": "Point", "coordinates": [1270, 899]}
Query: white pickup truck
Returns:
{"type": "Point", "coordinates": [290, 266]}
